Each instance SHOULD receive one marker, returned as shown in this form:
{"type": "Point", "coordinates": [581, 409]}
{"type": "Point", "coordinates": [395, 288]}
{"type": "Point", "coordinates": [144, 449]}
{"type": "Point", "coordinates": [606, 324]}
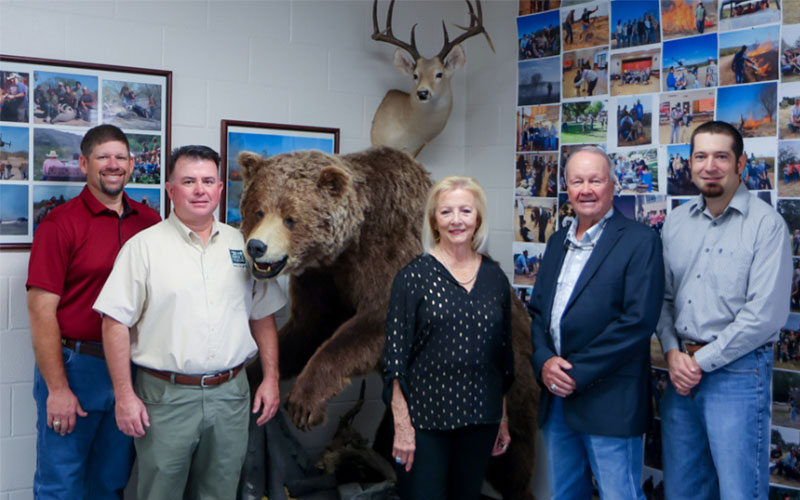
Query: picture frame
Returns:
{"type": "Point", "coordinates": [266, 139]}
{"type": "Point", "coordinates": [40, 134]}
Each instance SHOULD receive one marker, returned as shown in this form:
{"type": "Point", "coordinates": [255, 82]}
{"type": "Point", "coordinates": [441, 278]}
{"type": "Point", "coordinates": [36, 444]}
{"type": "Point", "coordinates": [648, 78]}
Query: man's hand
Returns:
{"type": "Point", "coordinates": [132, 417]}
{"type": "Point", "coordinates": [269, 396]}
{"type": "Point", "coordinates": [684, 372]}
{"type": "Point", "coordinates": [503, 439]}
{"type": "Point", "coordinates": [555, 377]}
{"type": "Point", "coordinates": [62, 408]}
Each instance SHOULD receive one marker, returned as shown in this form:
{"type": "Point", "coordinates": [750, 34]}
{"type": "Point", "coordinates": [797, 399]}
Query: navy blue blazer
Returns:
{"type": "Point", "coordinates": [605, 329]}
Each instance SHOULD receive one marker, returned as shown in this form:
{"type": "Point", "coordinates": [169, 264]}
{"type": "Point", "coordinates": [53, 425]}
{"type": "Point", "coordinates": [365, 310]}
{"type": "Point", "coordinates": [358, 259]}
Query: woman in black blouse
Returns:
{"type": "Point", "coordinates": [447, 362]}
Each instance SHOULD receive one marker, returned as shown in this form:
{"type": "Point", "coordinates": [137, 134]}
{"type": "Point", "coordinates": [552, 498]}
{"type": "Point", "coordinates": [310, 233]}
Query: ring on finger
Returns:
{"type": "Point", "coordinates": [553, 387]}
{"type": "Point", "coordinates": [398, 460]}
{"type": "Point", "coordinates": [56, 423]}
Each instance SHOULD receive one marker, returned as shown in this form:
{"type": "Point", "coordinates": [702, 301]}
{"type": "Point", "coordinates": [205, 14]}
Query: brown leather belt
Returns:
{"type": "Point", "coordinates": [84, 347]}
{"type": "Point", "coordinates": [201, 380]}
{"type": "Point", "coordinates": [692, 347]}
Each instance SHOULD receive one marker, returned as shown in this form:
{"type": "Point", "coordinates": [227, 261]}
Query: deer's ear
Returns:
{"type": "Point", "coordinates": [404, 62]}
{"type": "Point", "coordinates": [454, 60]}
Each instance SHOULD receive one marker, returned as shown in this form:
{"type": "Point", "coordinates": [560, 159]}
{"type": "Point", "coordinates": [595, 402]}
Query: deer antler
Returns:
{"type": "Point", "coordinates": [387, 36]}
{"type": "Point", "coordinates": [475, 27]}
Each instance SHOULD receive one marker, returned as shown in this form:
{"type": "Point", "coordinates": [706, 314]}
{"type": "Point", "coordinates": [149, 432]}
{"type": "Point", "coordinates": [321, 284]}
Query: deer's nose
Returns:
{"type": "Point", "coordinates": [423, 94]}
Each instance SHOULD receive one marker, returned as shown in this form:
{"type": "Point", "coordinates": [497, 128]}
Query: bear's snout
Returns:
{"type": "Point", "coordinates": [256, 248]}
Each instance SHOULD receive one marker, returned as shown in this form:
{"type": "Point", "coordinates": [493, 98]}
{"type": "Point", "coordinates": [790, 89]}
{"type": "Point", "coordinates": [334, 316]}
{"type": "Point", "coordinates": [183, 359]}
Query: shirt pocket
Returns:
{"type": "Point", "coordinates": [730, 271]}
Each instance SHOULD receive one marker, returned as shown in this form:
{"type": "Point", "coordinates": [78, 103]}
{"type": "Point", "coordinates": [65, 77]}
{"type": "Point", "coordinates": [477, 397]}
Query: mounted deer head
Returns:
{"type": "Point", "coordinates": [409, 121]}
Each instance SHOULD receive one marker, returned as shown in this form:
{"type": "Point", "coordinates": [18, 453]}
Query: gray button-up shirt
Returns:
{"type": "Point", "coordinates": [728, 279]}
{"type": "Point", "coordinates": [575, 260]}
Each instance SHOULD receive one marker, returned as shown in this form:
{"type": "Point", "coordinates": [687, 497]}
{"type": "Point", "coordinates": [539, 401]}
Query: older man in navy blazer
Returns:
{"type": "Point", "coordinates": [596, 303]}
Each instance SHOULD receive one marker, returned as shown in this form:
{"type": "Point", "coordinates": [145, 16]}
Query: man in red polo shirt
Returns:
{"type": "Point", "coordinates": [80, 451]}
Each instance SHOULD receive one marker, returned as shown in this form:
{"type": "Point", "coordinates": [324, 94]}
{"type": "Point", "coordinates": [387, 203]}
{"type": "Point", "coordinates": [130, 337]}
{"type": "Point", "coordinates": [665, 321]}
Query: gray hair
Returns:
{"type": "Point", "coordinates": [596, 150]}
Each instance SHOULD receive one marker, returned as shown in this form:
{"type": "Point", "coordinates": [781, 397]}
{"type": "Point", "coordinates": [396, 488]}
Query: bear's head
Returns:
{"type": "Point", "coordinates": [299, 210]}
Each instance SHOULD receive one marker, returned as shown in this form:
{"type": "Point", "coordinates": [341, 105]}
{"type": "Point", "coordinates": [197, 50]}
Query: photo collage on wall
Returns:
{"type": "Point", "coordinates": [636, 79]}
{"type": "Point", "coordinates": [45, 110]}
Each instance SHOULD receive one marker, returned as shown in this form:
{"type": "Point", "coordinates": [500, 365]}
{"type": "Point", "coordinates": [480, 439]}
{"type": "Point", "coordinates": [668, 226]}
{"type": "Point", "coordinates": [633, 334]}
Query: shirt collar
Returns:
{"type": "Point", "coordinates": [740, 202]}
{"type": "Point", "coordinates": [591, 235]}
{"type": "Point", "coordinates": [189, 235]}
{"type": "Point", "coordinates": [96, 207]}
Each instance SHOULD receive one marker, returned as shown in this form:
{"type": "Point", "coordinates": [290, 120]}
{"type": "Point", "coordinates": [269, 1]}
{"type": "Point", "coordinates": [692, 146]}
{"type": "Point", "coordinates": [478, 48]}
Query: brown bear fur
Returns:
{"type": "Point", "coordinates": [341, 227]}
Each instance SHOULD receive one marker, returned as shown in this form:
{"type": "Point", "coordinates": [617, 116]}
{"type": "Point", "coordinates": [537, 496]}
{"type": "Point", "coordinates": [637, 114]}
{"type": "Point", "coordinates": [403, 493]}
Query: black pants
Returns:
{"type": "Point", "coordinates": [448, 465]}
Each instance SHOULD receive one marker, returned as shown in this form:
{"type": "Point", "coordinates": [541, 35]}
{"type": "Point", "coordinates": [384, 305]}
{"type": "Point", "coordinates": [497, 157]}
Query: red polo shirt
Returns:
{"type": "Point", "coordinates": [73, 251]}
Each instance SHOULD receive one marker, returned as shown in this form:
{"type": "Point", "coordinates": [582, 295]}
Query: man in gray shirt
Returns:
{"type": "Point", "coordinates": [728, 278]}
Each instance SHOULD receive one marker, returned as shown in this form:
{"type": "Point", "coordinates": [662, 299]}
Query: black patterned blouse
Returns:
{"type": "Point", "coordinates": [450, 349]}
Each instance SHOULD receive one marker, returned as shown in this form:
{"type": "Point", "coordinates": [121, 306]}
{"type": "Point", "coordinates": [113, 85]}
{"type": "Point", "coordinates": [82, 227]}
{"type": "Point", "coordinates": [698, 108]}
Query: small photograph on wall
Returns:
{"type": "Point", "coordinates": [65, 99]}
{"type": "Point", "coordinates": [779, 493]}
{"type": "Point", "coordinates": [784, 467]}
{"type": "Point", "coordinates": [749, 56]}
{"type": "Point", "coordinates": [535, 219]}
{"type": "Point", "coordinates": [789, 169]}
{"type": "Point", "coordinates": [527, 257]}
{"type": "Point", "coordinates": [787, 348]}
{"type": "Point", "coordinates": [46, 197]}
{"type": "Point", "coordinates": [691, 63]}
{"type": "Point", "coordinates": [585, 72]}
{"type": "Point", "coordinates": [752, 109]}
{"type": "Point", "coordinates": [652, 446]}
{"type": "Point", "coordinates": [656, 354]}
{"type": "Point", "coordinates": [682, 18]}
{"type": "Point", "coordinates": [653, 485]}
{"type": "Point", "coordinates": [585, 25]}
{"type": "Point", "coordinates": [681, 113]}
{"type": "Point", "coordinates": [533, 6]}
{"type": "Point", "coordinates": [635, 72]}
{"type": "Point", "coordinates": [13, 209]}
{"type": "Point", "coordinates": [789, 111]}
{"type": "Point", "coordinates": [523, 293]}
{"type": "Point", "coordinates": [759, 169]}
{"type": "Point", "coordinates": [13, 153]}
{"type": "Point", "coordinates": [537, 174]}
{"type": "Point", "coordinates": [150, 197]}
{"type": "Point", "coordinates": [660, 380]}
{"type": "Point", "coordinates": [537, 128]}
{"type": "Point", "coordinates": [539, 35]}
{"type": "Point", "coordinates": [55, 155]}
{"type": "Point", "coordinates": [790, 211]}
{"type": "Point", "coordinates": [679, 173]}
{"type": "Point", "coordinates": [739, 14]}
{"type": "Point", "coordinates": [634, 23]}
{"type": "Point", "coordinates": [633, 125]}
{"type": "Point", "coordinates": [584, 122]}
{"type": "Point", "coordinates": [14, 96]}
{"type": "Point", "coordinates": [786, 398]}
{"type": "Point", "coordinates": [146, 150]}
{"type": "Point", "coordinates": [651, 210]}
{"type": "Point", "coordinates": [539, 82]}
{"type": "Point", "coordinates": [635, 171]}
{"type": "Point", "coordinates": [790, 53]}
{"type": "Point", "coordinates": [132, 105]}
{"type": "Point", "coordinates": [566, 214]}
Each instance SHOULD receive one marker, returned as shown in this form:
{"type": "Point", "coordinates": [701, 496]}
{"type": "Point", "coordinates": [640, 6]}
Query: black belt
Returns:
{"type": "Point", "coordinates": [201, 380]}
{"type": "Point", "coordinates": [84, 347]}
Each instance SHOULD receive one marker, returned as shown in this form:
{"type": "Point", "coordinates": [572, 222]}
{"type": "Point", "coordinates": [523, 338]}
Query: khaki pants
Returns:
{"type": "Point", "coordinates": [196, 441]}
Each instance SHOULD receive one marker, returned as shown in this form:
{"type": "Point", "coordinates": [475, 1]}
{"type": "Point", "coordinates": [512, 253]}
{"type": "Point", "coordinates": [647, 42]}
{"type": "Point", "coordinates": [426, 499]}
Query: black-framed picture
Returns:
{"type": "Point", "coordinates": [266, 139]}
{"type": "Point", "coordinates": [46, 107]}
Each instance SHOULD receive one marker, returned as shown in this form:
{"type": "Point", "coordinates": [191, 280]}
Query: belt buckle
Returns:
{"type": "Point", "coordinates": [204, 378]}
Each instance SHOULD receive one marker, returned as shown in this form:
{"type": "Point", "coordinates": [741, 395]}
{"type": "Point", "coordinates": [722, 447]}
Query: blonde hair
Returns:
{"type": "Point", "coordinates": [430, 231]}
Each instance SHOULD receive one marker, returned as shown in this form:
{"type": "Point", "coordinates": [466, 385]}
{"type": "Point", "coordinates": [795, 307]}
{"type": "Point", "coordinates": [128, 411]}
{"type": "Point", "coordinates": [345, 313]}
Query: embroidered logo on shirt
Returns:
{"type": "Point", "coordinates": [237, 257]}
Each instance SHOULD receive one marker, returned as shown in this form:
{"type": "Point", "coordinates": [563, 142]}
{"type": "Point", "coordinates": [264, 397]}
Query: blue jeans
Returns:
{"type": "Point", "coordinates": [716, 440]}
{"type": "Point", "coordinates": [572, 456]}
{"type": "Point", "coordinates": [94, 461]}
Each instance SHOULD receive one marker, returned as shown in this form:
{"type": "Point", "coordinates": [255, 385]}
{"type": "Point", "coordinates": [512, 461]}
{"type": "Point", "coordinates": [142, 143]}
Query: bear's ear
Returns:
{"type": "Point", "coordinates": [249, 162]}
{"type": "Point", "coordinates": [333, 180]}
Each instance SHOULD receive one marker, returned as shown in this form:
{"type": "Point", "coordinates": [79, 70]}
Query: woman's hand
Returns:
{"type": "Point", "coordinates": [503, 439]}
{"type": "Point", "coordinates": [404, 435]}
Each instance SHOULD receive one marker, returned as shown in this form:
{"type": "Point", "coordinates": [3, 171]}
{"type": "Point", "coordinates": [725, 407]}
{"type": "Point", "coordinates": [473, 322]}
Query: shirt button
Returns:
{"type": "Point", "coordinates": [690, 301]}
{"type": "Point", "coordinates": [698, 276]}
{"type": "Point", "coordinates": [713, 223]}
{"type": "Point", "coordinates": [685, 328]}
{"type": "Point", "coordinates": [708, 250]}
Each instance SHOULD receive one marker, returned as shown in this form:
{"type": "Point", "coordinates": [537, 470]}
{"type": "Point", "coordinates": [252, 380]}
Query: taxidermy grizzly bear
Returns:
{"type": "Point", "coordinates": [341, 227]}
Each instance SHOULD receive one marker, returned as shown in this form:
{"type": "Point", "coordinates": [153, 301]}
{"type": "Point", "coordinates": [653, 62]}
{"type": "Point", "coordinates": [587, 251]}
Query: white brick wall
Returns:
{"type": "Point", "coordinates": [283, 61]}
